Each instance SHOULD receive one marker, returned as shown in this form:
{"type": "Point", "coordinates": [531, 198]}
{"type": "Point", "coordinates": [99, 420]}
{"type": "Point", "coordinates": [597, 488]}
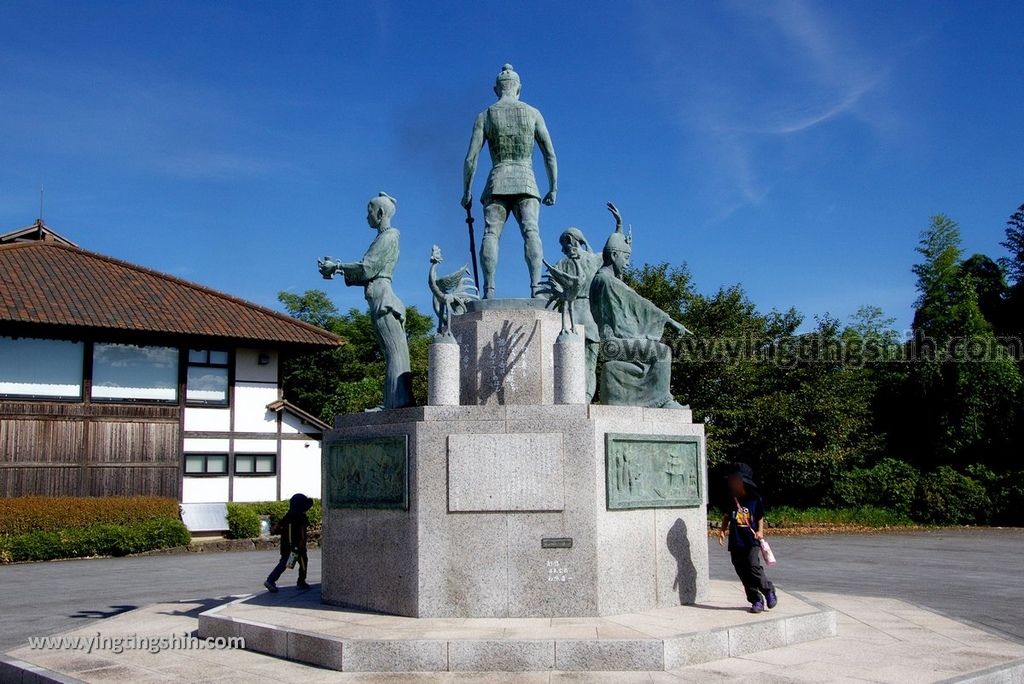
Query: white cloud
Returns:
{"type": "Point", "coordinates": [772, 72]}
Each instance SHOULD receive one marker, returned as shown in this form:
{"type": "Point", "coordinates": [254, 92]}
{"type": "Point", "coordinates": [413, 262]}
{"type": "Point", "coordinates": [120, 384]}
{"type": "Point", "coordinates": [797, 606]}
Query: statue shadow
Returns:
{"type": "Point", "coordinates": [102, 614]}
{"type": "Point", "coordinates": [307, 599]}
{"type": "Point", "coordinates": [500, 356]}
{"type": "Point", "coordinates": [678, 543]}
{"type": "Point", "coordinates": [197, 606]}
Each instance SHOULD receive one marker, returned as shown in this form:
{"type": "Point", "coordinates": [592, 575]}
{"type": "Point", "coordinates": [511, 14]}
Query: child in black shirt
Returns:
{"type": "Point", "coordinates": [745, 527]}
{"type": "Point", "coordinates": [292, 528]}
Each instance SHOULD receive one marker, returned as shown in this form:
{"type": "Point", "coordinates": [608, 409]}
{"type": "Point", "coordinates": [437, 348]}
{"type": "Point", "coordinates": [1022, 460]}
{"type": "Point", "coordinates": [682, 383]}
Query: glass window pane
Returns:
{"type": "Point", "coordinates": [217, 463]}
{"type": "Point", "coordinates": [197, 355]}
{"type": "Point", "coordinates": [243, 464]}
{"type": "Point", "coordinates": [195, 464]}
{"type": "Point", "coordinates": [125, 371]}
{"type": "Point", "coordinates": [219, 357]}
{"type": "Point", "coordinates": [265, 464]}
{"type": "Point", "coordinates": [41, 368]}
{"type": "Point", "coordinates": [207, 384]}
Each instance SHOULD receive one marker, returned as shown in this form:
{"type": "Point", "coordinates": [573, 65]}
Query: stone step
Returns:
{"type": "Point", "coordinates": [296, 626]}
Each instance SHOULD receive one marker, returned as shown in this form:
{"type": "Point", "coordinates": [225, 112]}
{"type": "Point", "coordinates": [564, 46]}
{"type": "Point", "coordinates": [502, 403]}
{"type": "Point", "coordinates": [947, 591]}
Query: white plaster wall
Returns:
{"type": "Point", "coordinates": [293, 425]}
{"type": "Point", "coordinates": [256, 446]}
{"type": "Point", "coordinates": [194, 445]}
{"type": "Point", "coordinates": [204, 489]}
{"type": "Point", "coordinates": [207, 419]}
{"type": "Point", "coordinates": [251, 414]}
{"type": "Point", "coordinates": [300, 468]}
{"type": "Point", "coordinates": [255, 488]}
{"type": "Point", "coordinates": [248, 369]}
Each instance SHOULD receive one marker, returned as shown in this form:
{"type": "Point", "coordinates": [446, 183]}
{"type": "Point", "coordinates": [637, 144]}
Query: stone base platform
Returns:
{"type": "Point", "coordinates": [879, 640]}
{"type": "Point", "coordinates": [297, 626]}
{"type": "Point", "coordinates": [509, 511]}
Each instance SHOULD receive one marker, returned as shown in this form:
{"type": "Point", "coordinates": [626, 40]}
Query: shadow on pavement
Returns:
{"type": "Point", "coordinates": [100, 614]}
{"type": "Point", "coordinates": [742, 609]}
{"type": "Point", "coordinates": [204, 605]}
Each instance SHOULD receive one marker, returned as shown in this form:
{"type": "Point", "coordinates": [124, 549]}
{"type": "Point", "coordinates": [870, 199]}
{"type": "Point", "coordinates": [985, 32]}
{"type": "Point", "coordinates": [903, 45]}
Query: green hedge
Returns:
{"type": "Point", "coordinates": [1008, 500]}
{"type": "Point", "coordinates": [243, 521]}
{"type": "Point", "coordinates": [22, 514]}
{"type": "Point", "coordinates": [244, 518]}
{"type": "Point", "coordinates": [864, 516]}
{"type": "Point", "coordinates": [102, 539]}
{"type": "Point", "coordinates": [890, 484]}
{"type": "Point", "coordinates": [947, 497]}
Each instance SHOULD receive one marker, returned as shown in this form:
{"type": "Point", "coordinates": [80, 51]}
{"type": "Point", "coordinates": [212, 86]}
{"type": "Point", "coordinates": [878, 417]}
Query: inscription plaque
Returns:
{"type": "Point", "coordinates": [556, 543]}
{"type": "Point", "coordinates": [653, 471]}
{"type": "Point", "coordinates": [368, 472]}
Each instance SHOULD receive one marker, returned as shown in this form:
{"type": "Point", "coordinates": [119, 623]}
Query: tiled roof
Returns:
{"type": "Point", "coordinates": [55, 284]}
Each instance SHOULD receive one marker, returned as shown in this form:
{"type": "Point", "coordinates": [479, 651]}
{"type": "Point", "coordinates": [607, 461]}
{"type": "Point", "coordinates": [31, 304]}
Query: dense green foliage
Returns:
{"type": "Point", "coordinates": [948, 497]}
{"type": "Point", "coordinates": [243, 521]}
{"type": "Point", "coordinates": [849, 416]}
{"type": "Point", "coordinates": [101, 539]}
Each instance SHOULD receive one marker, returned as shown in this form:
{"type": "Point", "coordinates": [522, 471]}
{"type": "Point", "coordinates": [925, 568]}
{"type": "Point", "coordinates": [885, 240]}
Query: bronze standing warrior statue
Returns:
{"type": "Point", "coordinates": [510, 128]}
{"type": "Point", "coordinates": [387, 311]}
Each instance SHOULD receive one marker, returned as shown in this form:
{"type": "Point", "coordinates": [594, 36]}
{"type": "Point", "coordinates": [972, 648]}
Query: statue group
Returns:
{"type": "Point", "coordinates": [626, 362]}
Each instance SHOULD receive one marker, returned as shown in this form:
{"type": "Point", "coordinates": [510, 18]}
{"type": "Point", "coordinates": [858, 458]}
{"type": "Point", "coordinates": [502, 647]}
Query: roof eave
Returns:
{"type": "Point", "coordinates": [137, 336]}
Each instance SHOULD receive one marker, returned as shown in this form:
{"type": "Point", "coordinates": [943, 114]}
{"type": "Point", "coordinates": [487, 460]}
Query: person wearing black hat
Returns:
{"type": "Point", "coordinates": [745, 527]}
{"type": "Point", "coordinates": [293, 540]}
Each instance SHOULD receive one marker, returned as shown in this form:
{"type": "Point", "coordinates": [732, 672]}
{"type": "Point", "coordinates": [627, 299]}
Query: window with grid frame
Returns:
{"type": "Point", "coordinates": [248, 465]}
{"type": "Point", "coordinates": [200, 465]}
{"type": "Point", "coordinates": [208, 377]}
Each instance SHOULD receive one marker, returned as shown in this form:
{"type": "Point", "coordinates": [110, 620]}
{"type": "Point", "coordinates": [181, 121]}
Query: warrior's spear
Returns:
{"type": "Point", "coordinates": [472, 245]}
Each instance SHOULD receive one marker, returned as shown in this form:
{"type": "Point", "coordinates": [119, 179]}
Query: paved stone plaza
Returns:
{"type": "Point", "coordinates": [901, 600]}
{"type": "Point", "coordinates": [881, 640]}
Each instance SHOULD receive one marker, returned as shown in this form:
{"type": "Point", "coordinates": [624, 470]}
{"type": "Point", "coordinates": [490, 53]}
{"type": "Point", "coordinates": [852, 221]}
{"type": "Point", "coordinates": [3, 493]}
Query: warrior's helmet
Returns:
{"type": "Point", "coordinates": [618, 242]}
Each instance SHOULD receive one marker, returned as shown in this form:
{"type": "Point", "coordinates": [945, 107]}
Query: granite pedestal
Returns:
{"type": "Point", "coordinates": [509, 505]}
{"type": "Point", "coordinates": [507, 351]}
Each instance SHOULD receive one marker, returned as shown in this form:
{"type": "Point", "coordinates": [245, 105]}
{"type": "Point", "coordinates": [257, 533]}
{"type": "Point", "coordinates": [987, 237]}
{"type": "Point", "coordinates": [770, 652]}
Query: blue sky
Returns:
{"type": "Point", "coordinates": [795, 147]}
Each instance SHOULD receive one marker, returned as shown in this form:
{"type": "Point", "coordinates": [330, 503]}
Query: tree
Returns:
{"type": "Point", "coordinates": [947, 303]}
{"type": "Point", "coordinates": [1014, 244]}
{"type": "Point", "coordinates": [960, 393]}
{"type": "Point", "coordinates": [990, 288]}
{"type": "Point", "coordinates": [312, 306]}
{"type": "Point", "coordinates": [1013, 315]}
{"type": "Point", "coordinates": [870, 325]}
{"type": "Point", "coordinates": [350, 378]}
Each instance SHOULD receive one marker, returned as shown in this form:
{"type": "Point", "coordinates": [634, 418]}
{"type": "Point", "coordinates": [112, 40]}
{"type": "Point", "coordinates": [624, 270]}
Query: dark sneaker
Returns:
{"type": "Point", "coordinates": [757, 606]}
{"type": "Point", "coordinates": [302, 586]}
{"type": "Point", "coordinates": [771, 600]}
{"type": "Point", "coordinates": [271, 587]}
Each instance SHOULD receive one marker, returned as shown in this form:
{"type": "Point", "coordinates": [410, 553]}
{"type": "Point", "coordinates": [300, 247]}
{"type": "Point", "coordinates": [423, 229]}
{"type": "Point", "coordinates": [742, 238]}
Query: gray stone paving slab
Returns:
{"type": "Point", "coordinates": [44, 598]}
{"type": "Point", "coordinates": [961, 574]}
{"type": "Point", "coordinates": [964, 574]}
